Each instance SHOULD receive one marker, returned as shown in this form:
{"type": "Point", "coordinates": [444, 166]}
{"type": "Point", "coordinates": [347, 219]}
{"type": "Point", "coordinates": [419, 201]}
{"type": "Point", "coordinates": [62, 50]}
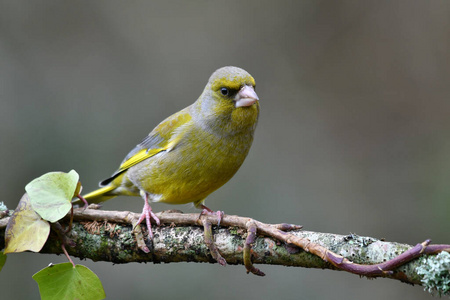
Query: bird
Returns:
{"type": "Point", "coordinates": [193, 152]}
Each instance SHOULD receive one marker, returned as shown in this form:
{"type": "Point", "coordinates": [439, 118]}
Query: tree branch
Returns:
{"type": "Point", "coordinates": [108, 236]}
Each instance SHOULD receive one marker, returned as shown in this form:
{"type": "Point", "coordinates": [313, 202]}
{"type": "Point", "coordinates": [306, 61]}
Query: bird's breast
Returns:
{"type": "Point", "coordinates": [198, 165]}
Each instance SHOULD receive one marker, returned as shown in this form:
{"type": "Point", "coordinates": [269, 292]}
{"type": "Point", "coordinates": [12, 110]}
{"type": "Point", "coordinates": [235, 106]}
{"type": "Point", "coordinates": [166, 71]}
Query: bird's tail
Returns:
{"type": "Point", "coordinates": [101, 195]}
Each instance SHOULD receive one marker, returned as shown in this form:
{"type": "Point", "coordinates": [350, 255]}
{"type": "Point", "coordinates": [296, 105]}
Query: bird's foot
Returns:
{"type": "Point", "coordinates": [148, 214]}
{"type": "Point", "coordinates": [207, 211]}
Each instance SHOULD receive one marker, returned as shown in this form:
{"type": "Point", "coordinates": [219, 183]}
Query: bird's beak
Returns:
{"type": "Point", "coordinates": [246, 96]}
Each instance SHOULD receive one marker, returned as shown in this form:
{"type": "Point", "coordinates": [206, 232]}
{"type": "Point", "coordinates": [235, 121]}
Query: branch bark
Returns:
{"type": "Point", "coordinates": [108, 236]}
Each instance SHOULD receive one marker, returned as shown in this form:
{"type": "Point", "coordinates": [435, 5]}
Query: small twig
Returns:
{"type": "Point", "coordinates": [435, 249]}
{"type": "Point", "coordinates": [251, 238]}
{"type": "Point", "coordinates": [209, 241]}
{"type": "Point", "coordinates": [381, 269]}
{"type": "Point", "coordinates": [70, 221]}
{"type": "Point", "coordinates": [132, 219]}
{"type": "Point", "coordinates": [139, 235]}
{"type": "Point", "coordinates": [287, 227]}
{"type": "Point", "coordinates": [67, 255]}
{"type": "Point", "coordinates": [61, 232]}
{"type": "Point", "coordinates": [86, 204]}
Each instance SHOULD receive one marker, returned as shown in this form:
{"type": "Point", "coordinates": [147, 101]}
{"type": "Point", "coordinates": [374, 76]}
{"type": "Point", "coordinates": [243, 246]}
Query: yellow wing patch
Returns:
{"type": "Point", "coordinates": [98, 196]}
{"type": "Point", "coordinates": [163, 138]}
{"type": "Point", "coordinates": [138, 157]}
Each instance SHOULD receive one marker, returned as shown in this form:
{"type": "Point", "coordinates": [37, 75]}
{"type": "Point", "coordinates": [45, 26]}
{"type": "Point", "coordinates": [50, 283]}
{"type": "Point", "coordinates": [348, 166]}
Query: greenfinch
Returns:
{"type": "Point", "coordinates": [193, 152]}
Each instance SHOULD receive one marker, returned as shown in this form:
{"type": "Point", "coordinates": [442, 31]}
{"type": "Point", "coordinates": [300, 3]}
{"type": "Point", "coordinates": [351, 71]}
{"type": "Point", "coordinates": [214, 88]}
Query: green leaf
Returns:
{"type": "Point", "coordinates": [63, 281]}
{"type": "Point", "coordinates": [25, 230]}
{"type": "Point", "coordinates": [2, 260]}
{"type": "Point", "coordinates": [51, 194]}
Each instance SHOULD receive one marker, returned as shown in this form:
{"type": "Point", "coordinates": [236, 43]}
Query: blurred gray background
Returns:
{"type": "Point", "coordinates": [354, 131]}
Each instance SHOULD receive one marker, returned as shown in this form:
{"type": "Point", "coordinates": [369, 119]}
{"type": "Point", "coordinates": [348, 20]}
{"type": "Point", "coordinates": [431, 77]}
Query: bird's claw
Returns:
{"type": "Point", "coordinates": [148, 214]}
{"type": "Point", "coordinates": [208, 211]}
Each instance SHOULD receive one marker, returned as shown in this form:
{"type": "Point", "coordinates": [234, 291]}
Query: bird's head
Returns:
{"type": "Point", "coordinates": [233, 85]}
{"type": "Point", "coordinates": [229, 99]}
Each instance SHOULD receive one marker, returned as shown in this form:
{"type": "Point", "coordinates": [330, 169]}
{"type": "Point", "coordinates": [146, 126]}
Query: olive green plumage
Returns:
{"type": "Point", "coordinates": [196, 150]}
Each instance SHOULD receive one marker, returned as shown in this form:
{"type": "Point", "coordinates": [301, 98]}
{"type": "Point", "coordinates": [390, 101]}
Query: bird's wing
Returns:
{"type": "Point", "coordinates": [163, 138]}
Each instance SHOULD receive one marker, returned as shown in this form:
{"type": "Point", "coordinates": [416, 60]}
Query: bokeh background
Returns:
{"type": "Point", "coordinates": [354, 131]}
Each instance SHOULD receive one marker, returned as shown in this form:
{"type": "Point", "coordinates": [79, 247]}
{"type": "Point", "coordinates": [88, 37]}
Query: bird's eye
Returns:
{"type": "Point", "coordinates": [224, 91]}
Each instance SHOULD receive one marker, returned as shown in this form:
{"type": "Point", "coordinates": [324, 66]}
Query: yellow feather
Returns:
{"type": "Point", "coordinates": [98, 196]}
{"type": "Point", "coordinates": [137, 158]}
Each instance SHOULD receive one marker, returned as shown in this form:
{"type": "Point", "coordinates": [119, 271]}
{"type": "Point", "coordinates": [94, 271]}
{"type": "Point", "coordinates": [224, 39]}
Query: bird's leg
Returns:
{"type": "Point", "coordinates": [148, 214]}
{"type": "Point", "coordinates": [207, 211]}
